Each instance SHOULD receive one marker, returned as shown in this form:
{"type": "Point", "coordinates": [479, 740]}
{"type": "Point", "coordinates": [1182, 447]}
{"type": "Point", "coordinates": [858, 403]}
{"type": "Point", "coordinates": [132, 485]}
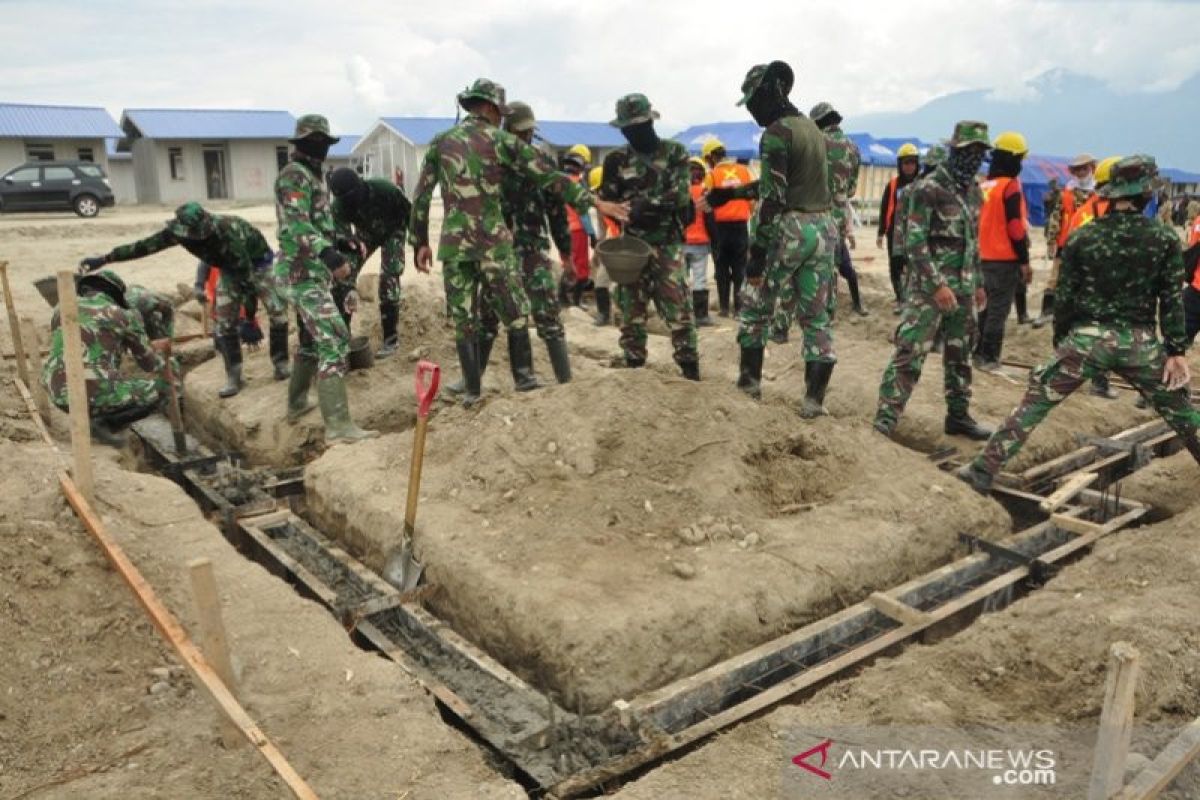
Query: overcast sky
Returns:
{"type": "Point", "coordinates": [356, 60]}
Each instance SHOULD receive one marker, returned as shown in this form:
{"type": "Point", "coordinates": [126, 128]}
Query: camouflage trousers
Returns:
{"type": "Point", "coordinates": [1086, 352]}
{"type": "Point", "coordinates": [236, 291]}
{"type": "Point", "coordinates": [920, 322]}
{"type": "Point", "coordinates": [324, 335]}
{"type": "Point", "coordinates": [799, 275]}
{"type": "Point", "coordinates": [110, 393]}
{"type": "Point", "coordinates": [664, 282]}
{"type": "Point", "coordinates": [465, 283]}
{"type": "Point", "coordinates": [391, 267]}
{"type": "Point", "coordinates": [537, 276]}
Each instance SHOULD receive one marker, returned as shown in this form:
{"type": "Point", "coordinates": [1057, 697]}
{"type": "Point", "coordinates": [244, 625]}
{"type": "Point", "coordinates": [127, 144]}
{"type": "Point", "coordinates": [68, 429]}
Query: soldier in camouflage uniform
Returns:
{"type": "Point", "coordinates": [156, 310]}
{"type": "Point", "coordinates": [469, 162]}
{"type": "Point", "coordinates": [312, 264]}
{"type": "Point", "coordinates": [1119, 274]}
{"type": "Point", "coordinates": [1051, 200]}
{"type": "Point", "coordinates": [651, 174]}
{"type": "Point", "coordinates": [944, 284]}
{"type": "Point", "coordinates": [108, 328]}
{"type": "Point", "coordinates": [795, 236]}
{"type": "Point", "coordinates": [373, 215]}
{"type": "Point", "coordinates": [241, 252]}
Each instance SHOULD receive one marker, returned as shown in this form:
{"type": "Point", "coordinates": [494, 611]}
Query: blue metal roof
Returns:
{"type": "Point", "coordinates": [421, 130]}
{"type": "Point", "coordinates": [110, 147]}
{"type": "Point", "coordinates": [55, 122]}
{"type": "Point", "coordinates": [204, 123]}
{"type": "Point", "coordinates": [342, 148]}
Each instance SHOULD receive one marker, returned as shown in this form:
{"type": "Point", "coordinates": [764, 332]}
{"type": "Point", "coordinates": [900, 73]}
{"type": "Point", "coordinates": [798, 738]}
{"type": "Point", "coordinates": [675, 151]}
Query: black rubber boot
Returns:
{"type": "Point", "coordinates": [700, 308]}
{"type": "Point", "coordinates": [603, 307]}
{"type": "Point", "coordinates": [483, 351]}
{"type": "Point", "coordinates": [1102, 388]}
{"type": "Point", "coordinates": [750, 372]}
{"type": "Point", "coordinates": [1047, 314]}
{"type": "Point", "coordinates": [231, 352]}
{"type": "Point", "coordinates": [1191, 444]}
{"type": "Point", "coordinates": [1021, 302]}
{"type": "Point", "coordinates": [520, 357]}
{"type": "Point", "coordinates": [470, 370]}
{"type": "Point", "coordinates": [965, 425]}
{"type": "Point", "coordinates": [103, 433]}
{"type": "Point", "coordinates": [278, 346]}
{"type": "Point", "coordinates": [560, 359]}
{"type": "Point", "coordinates": [690, 370]}
{"type": "Point", "coordinates": [977, 479]}
{"type": "Point", "coordinates": [816, 383]}
{"type": "Point", "coordinates": [856, 297]}
{"type": "Point", "coordinates": [389, 318]}
{"type": "Point", "coordinates": [577, 293]}
{"type": "Point", "coordinates": [779, 334]}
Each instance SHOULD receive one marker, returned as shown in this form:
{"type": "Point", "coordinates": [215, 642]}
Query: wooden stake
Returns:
{"type": "Point", "coordinates": [205, 320]}
{"type": "Point", "coordinates": [1068, 489]}
{"type": "Point", "coordinates": [14, 325]}
{"type": "Point", "coordinates": [1116, 722]}
{"type": "Point", "coordinates": [1151, 781]}
{"type": "Point", "coordinates": [81, 435]}
{"type": "Point", "coordinates": [213, 641]}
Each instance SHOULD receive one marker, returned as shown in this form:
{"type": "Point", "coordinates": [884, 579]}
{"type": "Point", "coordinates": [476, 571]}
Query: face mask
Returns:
{"type": "Point", "coordinates": [1088, 184]}
{"type": "Point", "coordinates": [964, 163]}
{"type": "Point", "coordinates": [314, 147]}
{"type": "Point", "coordinates": [641, 137]}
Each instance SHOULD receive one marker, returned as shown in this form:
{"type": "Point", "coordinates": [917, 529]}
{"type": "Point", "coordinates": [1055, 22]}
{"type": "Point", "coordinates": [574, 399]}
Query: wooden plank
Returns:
{"type": "Point", "coordinates": [1067, 490]}
{"type": "Point", "coordinates": [1075, 524]}
{"type": "Point", "coordinates": [314, 584]}
{"type": "Point", "coordinates": [14, 326]}
{"type": "Point", "coordinates": [1157, 776]}
{"type": "Point", "coordinates": [901, 612]}
{"type": "Point", "coordinates": [213, 640]}
{"type": "Point", "coordinates": [1116, 722]}
{"type": "Point", "coordinates": [422, 676]}
{"type": "Point", "coordinates": [81, 433]}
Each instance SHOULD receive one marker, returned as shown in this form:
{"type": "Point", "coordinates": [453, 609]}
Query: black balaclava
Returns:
{"type": "Point", "coordinates": [1004, 164]}
{"type": "Point", "coordinates": [641, 137]}
{"type": "Point", "coordinates": [963, 164]}
{"type": "Point", "coordinates": [769, 102]}
{"type": "Point", "coordinates": [316, 147]}
{"type": "Point", "coordinates": [1139, 202]}
{"type": "Point", "coordinates": [346, 185]}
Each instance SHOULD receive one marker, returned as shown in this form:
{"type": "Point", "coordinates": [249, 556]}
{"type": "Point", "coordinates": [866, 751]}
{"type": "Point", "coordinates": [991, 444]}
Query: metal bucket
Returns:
{"type": "Point", "coordinates": [48, 288]}
{"type": "Point", "coordinates": [624, 257]}
{"type": "Point", "coordinates": [361, 356]}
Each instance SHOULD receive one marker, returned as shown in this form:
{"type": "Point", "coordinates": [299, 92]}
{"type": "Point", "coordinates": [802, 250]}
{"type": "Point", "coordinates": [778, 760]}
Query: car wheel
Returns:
{"type": "Point", "coordinates": [87, 205]}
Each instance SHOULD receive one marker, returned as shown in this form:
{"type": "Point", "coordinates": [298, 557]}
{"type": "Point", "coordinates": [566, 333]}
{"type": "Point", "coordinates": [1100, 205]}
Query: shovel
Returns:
{"type": "Point", "coordinates": [173, 412]}
{"type": "Point", "coordinates": [403, 570]}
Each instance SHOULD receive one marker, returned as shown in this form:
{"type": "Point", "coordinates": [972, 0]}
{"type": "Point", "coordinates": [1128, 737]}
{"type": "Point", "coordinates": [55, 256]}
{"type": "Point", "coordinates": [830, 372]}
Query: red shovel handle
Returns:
{"type": "Point", "coordinates": [429, 375]}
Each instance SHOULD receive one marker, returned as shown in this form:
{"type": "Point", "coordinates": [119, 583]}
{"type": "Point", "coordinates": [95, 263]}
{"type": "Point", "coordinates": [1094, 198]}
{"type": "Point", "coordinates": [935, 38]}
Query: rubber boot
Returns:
{"type": "Point", "coordinates": [603, 308]}
{"type": "Point", "coordinates": [816, 382]}
{"type": "Point", "coordinates": [298, 403]}
{"type": "Point", "coordinates": [559, 359]}
{"type": "Point", "coordinates": [700, 309]}
{"type": "Point", "coordinates": [483, 352]}
{"type": "Point", "coordinates": [468, 363]}
{"type": "Point", "coordinates": [231, 352]}
{"type": "Point", "coordinates": [520, 357]}
{"type": "Point", "coordinates": [103, 433]}
{"type": "Point", "coordinates": [335, 408]}
{"type": "Point", "coordinates": [1102, 388]}
{"type": "Point", "coordinates": [389, 317]}
{"type": "Point", "coordinates": [1047, 314]}
{"type": "Point", "coordinates": [278, 346]}
{"type": "Point", "coordinates": [1191, 444]}
{"type": "Point", "coordinates": [965, 425]}
{"type": "Point", "coordinates": [779, 333]}
{"type": "Point", "coordinates": [750, 372]}
{"type": "Point", "coordinates": [977, 479]}
{"type": "Point", "coordinates": [690, 370]}
{"type": "Point", "coordinates": [577, 293]}
{"type": "Point", "coordinates": [856, 297]}
{"type": "Point", "coordinates": [1020, 301]}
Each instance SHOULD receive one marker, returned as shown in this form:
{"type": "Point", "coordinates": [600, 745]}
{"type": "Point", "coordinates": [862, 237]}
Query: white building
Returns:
{"type": "Point", "coordinates": [53, 133]}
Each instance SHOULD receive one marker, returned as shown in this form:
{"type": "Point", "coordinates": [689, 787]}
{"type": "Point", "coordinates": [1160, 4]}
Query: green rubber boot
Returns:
{"type": "Point", "coordinates": [335, 408]}
{"type": "Point", "coordinates": [303, 372]}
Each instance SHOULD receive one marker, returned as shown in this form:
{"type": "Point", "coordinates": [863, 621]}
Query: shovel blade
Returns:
{"type": "Point", "coordinates": [402, 569]}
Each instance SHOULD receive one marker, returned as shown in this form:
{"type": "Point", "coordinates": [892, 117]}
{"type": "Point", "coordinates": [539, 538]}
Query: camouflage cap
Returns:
{"type": "Point", "coordinates": [759, 72]}
{"type": "Point", "coordinates": [313, 125]}
{"type": "Point", "coordinates": [192, 222]}
{"type": "Point", "coordinates": [968, 132]}
{"type": "Point", "coordinates": [520, 118]}
{"type": "Point", "coordinates": [633, 109]}
{"type": "Point", "coordinates": [1131, 177]}
{"type": "Point", "coordinates": [822, 110]}
{"type": "Point", "coordinates": [105, 281]}
{"type": "Point", "coordinates": [487, 90]}
{"type": "Point", "coordinates": [936, 155]}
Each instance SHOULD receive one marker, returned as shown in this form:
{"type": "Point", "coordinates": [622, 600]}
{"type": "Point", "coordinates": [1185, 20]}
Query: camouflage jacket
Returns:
{"type": "Point", "coordinates": [236, 246]}
{"type": "Point", "coordinates": [1123, 269]}
{"type": "Point", "coordinates": [107, 331]}
{"type": "Point", "coordinates": [156, 310]}
{"type": "Point", "coordinates": [381, 216]}
{"type": "Point", "coordinates": [793, 177]}
{"type": "Point", "coordinates": [843, 160]}
{"type": "Point", "coordinates": [528, 209]}
{"type": "Point", "coordinates": [306, 225]}
{"type": "Point", "coordinates": [941, 238]}
{"type": "Point", "coordinates": [469, 163]}
{"type": "Point", "coordinates": [1055, 221]}
{"type": "Point", "coordinates": [656, 188]}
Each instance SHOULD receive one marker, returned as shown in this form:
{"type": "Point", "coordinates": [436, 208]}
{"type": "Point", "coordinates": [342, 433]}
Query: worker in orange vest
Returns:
{"type": "Point", "coordinates": [608, 229]}
{"type": "Point", "coordinates": [583, 233]}
{"type": "Point", "coordinates": [1003, 244]}
{"type": "Point", "coordinates": [697, 242]}
{"type": "Point", "coordinates": [1080, 187]}
{"type": "Point", "coordinates": [731, 238]}
{"type": "Point", "coordinates": [1191, 293]}
{"type": "Point", "coordinates": [908, 164]}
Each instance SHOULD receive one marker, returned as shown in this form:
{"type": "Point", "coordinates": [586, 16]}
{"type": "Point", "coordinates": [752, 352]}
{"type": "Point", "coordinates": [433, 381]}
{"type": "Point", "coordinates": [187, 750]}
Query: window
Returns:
{"type": "Point", "coordinates": [26, 175]}
{"type": "Point", "coordinates": [91, 171]}
{"type": "Point", "coordinates": [281, 156]}
{"type": "Point", "coordinates": [39, 151]}
{"type": "Point", "coordinates": [175, 158]}
{"type": "Point", "coordinates": [58, 173]}
{"type": "Point", "coordinates": [85, 154]}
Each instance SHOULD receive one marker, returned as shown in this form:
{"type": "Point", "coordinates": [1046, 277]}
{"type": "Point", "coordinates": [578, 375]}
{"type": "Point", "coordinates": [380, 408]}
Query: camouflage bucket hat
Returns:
{"type": "Point", "coordinates": [520, 118]}
{"type": "Point", "coordinates": [313, 125]}
{"type": "Point", "coordinates": [822, 110]}
{"type": "Point", "coordinates": [484, 89]}
{"type": "Point", "coordinates": [105, 281]}
{"type": "Point", "coordinates": [969, 132]}
{"type": "Point", "coordinates": [633, 109]}
{"type": "Point", "coordinates": [192, 222]}
{"type": "Point", "coordinates": [1131, 177]}
{"type": "Point", "coordinates": [759, 72]}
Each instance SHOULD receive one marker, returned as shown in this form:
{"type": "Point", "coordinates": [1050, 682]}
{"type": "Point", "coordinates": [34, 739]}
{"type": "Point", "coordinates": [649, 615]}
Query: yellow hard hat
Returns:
{"type": "Point", "coordinates": [582, 151]}
{"type": "Point", "coordinates": [1104, 169]}
{"type": "Point", "coordinates": [908, 150]}
{"type": "Point", "coordinates": [699, 163]}
{"type": "Point", "coordinates": [710, 146]}
{"type": "Point", "coordinates": [1011, 142]}
{"type": "Point", "coordinates": [595, 174]}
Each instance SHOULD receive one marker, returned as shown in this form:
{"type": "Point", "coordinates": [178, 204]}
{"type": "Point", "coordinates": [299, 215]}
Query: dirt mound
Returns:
{"type": "Point", "coordinates": [1168, 485]}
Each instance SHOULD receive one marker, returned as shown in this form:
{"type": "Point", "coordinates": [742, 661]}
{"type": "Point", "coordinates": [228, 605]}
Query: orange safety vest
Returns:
{"type": "Point", "coordinates": [1066, 211]}
{"type": "Point", "coordinates": [887, 226]}
{"type": "Point", "coordinates": [573, 221]}
{"type": "Point", "coordinates": [994, 241]}
{"type": "Point", "coordinates": [731, 174]}
{"type": "Point", "coordinates": [1193, 239]}
{"type": "Point", "coordinates": [1093, 208]}
{"type": "Point", "coordinates": [696, 233]}
{"type": "Point", "coordinates": [612, 229]}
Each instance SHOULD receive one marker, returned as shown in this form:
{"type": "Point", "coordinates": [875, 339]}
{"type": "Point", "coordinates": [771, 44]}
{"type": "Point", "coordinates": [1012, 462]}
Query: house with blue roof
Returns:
{"type": "Point", "coordinates": [49, 133]}
{"type": "Point", "coordinates": [205, 154]}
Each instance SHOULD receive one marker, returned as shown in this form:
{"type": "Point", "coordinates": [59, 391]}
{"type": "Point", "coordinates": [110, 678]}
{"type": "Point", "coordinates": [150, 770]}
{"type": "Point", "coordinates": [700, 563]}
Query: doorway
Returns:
{"type": "Point", "coordinates": [215, 173]}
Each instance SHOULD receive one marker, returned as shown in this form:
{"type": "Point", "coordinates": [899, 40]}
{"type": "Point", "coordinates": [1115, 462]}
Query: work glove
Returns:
{"type": "Point", "coordinates": [719, 196]}
{"type": "Point", "coordinates": [643, 215]}
{"type": "Point", "coordinates": [93, 263]}
{"type": "Point", "coordinates": [249, 332]}
{"type": "Point", "coordinates": [332, 259]}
